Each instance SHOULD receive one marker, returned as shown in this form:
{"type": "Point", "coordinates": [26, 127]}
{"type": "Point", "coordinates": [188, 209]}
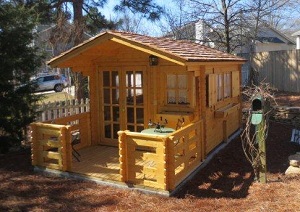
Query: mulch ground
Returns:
{"type": "Point", "coordinates": [225, 184]}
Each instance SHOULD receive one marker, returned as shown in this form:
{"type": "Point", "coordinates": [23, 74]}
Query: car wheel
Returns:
{"type": "Point", "coordinates": [58, 88]}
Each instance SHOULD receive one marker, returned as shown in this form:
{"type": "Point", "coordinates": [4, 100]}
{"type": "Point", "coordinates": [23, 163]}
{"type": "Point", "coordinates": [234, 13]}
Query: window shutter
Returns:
{"type": "Point", "coordinates": [212, 90]}
{"type": "Point", "coordinates": [235, 83]}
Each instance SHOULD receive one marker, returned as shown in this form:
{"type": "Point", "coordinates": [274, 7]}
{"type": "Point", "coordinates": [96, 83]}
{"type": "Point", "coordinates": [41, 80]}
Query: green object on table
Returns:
{"type": "Point", "coordinates": [161, 131]}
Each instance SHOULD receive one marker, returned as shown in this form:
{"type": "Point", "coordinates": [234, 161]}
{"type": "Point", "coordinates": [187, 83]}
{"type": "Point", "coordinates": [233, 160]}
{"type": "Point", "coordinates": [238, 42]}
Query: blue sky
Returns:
{"type": "Point", "coordinates": [154, 28]}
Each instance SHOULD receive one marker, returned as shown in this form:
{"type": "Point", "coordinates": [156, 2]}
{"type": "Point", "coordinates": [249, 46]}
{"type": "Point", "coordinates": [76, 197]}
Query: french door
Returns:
{"type": "Point", "coordinates": [122, 101]}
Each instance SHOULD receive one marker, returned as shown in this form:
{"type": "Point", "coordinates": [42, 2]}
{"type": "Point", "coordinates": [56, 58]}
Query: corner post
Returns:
{"type": "Point", "coordinates": [66, 150]}
{"type": "Point", "coordinates": [123, 156]}
{"type": "Point", "coordinates": [169, 163]}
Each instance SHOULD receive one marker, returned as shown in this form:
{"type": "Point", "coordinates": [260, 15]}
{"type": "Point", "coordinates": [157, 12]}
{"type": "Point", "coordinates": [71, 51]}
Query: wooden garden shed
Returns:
{"type": "Point", "coordinates": [158, 107]}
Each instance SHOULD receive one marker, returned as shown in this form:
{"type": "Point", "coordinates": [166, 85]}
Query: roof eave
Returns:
{"type": "Point", "coordinates": [55, 62]}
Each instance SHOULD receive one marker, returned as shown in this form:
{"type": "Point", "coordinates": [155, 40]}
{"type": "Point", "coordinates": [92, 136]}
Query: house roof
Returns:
{"type": "Point", "coordinates": [296, 33]}
{"type": "Point", "coordinates": [269, 40]}
{"type": "Point", "coordinates": [275, 37]}
{"type": "Point", "coordinates": [169, 49]}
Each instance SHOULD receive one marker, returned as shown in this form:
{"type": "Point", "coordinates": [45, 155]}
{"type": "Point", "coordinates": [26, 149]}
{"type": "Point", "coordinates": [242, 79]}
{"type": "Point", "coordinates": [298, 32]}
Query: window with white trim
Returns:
{"type": "Point", "coordinates": [177, 89]}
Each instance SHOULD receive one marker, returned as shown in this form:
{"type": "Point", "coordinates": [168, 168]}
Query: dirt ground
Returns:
{"type": "Point", "coordinates": [225, 184]}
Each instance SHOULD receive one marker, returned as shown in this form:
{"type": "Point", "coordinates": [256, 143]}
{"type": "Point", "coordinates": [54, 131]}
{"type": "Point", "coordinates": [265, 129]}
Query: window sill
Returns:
{"type": "Point", "coordinates": [227, 110]}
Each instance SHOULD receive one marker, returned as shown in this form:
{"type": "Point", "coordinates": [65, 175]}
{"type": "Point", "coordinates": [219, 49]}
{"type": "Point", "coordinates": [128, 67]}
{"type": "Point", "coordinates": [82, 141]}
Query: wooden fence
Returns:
{"type": "Point", "coordinates": [279, 68]}
{"type": "Point", "coordinates": [58, 109]}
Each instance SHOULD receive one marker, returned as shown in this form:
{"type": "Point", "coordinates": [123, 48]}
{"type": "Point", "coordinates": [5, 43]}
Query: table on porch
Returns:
{"type": "Point", "coordinates": [155, 131]}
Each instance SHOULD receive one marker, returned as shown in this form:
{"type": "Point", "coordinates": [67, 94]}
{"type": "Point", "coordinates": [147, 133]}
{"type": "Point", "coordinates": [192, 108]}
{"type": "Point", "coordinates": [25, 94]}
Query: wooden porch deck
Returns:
{"type": "Point", "coordinates": [99, 162]}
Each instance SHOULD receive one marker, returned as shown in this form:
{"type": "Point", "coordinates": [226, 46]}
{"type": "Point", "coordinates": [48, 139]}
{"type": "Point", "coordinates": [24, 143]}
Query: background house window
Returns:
{"type": "Point", "coordinates": [177, 89]}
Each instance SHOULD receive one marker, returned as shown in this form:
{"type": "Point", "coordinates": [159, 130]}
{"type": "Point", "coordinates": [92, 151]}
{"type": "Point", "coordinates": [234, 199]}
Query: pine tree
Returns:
{"type": "Point", "coordinates": [18, 62]}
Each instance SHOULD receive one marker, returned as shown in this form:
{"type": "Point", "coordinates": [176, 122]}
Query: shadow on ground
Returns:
{"type": "Point", "coordinates": [229, 174]}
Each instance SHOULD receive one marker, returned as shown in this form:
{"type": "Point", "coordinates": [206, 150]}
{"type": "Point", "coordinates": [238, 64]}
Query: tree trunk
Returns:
{"type": "Point", "coordinates": [226, 26]}
{"type": "Point", "coordinates": [78, 29]}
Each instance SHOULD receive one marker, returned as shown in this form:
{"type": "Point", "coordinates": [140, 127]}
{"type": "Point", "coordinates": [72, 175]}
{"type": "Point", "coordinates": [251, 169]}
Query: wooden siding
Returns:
{"type": "Point", "coordinates": [222, 118]}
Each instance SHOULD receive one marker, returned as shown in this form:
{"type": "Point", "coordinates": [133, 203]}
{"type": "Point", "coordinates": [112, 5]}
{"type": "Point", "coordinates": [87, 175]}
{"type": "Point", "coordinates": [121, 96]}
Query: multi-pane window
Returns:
{"type": "Point", "coordinates": [223, 82]}
{"type": "Point", "coordinates": [177, 89]}
{"type": "Point", "coordinates": [222, 86]}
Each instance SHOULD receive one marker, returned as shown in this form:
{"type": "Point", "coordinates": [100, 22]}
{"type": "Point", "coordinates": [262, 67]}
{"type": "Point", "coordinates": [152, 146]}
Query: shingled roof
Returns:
{"type": "Point", "coordinates": [184, 50]}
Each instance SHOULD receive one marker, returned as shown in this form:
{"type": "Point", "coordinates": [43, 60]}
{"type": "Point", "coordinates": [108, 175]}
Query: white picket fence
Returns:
{"type": "Point", "coordinates": [58, 109]}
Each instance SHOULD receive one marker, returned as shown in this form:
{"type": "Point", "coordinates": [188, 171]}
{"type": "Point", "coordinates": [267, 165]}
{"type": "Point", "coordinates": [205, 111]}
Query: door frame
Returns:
{"type": "Point", "coordinates": [122, 99]}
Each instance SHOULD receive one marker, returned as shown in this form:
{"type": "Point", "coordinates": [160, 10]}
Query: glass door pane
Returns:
{"type": "Point", "coordinates": [111, 95]}
{"type": "Point", "coordinates": [134, 100]}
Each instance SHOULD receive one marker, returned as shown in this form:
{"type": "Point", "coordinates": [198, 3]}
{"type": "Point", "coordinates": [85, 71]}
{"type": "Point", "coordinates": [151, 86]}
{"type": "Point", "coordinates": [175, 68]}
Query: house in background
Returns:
{"type": "Point", "coordinates": [297, 35]}
{"type": "Point", "coordinates": [197, 31]}
{"type": "Point", "coordinates": [268, 39]}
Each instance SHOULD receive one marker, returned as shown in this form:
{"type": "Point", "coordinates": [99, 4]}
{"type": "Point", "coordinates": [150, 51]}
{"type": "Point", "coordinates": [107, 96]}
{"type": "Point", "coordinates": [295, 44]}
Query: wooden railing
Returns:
{"type": "Point", "coordinates": [160, 162]}
{"type": "Point", "coordinates": [186, 152]}
{"type": "Point", "coordinates": [51, 142]}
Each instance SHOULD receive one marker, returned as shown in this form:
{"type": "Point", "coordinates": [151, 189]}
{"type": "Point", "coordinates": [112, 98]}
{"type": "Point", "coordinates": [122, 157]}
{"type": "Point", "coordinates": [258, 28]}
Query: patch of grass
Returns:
{"type": "Point", "coordinates": [52, 97]}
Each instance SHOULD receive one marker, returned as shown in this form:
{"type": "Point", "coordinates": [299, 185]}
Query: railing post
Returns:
{"type": "Point", "coordinates": [169, 163]}
{"type": "Point", "coordinates": [34, 145]}
{"type": "Point", "coordinates": [60, 109]}
{"type": "Point", "coordinates": [44, 107]}
{"type": "Point", "coordinates": [123, 156]}
{"type": "Point", "coordinates": [66, 149]}
{"type": "Point", "coordinates": [55, 110]}
{"type": "Point", "coordinates": [77, 111]}
{"type": "Point", "coordinates": [88, 127]}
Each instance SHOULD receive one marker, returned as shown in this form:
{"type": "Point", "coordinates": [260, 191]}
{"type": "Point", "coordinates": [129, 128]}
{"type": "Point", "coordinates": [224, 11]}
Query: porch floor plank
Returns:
{"type": "Point", "coordinates": [98, 161]}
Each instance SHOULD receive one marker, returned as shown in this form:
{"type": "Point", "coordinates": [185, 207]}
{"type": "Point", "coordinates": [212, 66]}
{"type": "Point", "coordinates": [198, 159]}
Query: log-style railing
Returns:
{"type": "Point", "coordinates": [160, 162]}
{"type": "Point", "coordinates": [186, 151]}
{"type": "Point", "coordinates": [51, 142]}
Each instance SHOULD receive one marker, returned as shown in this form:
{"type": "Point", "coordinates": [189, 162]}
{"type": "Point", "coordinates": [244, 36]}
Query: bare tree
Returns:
{"type": "Point", "coordinates": [224, 17]}
{"type": "Point", "coordinates": [130, 22]}
{"type": "Point", "coordinates": [176, 17]}
{"type": "Point", "coordinates": [236, 22]}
